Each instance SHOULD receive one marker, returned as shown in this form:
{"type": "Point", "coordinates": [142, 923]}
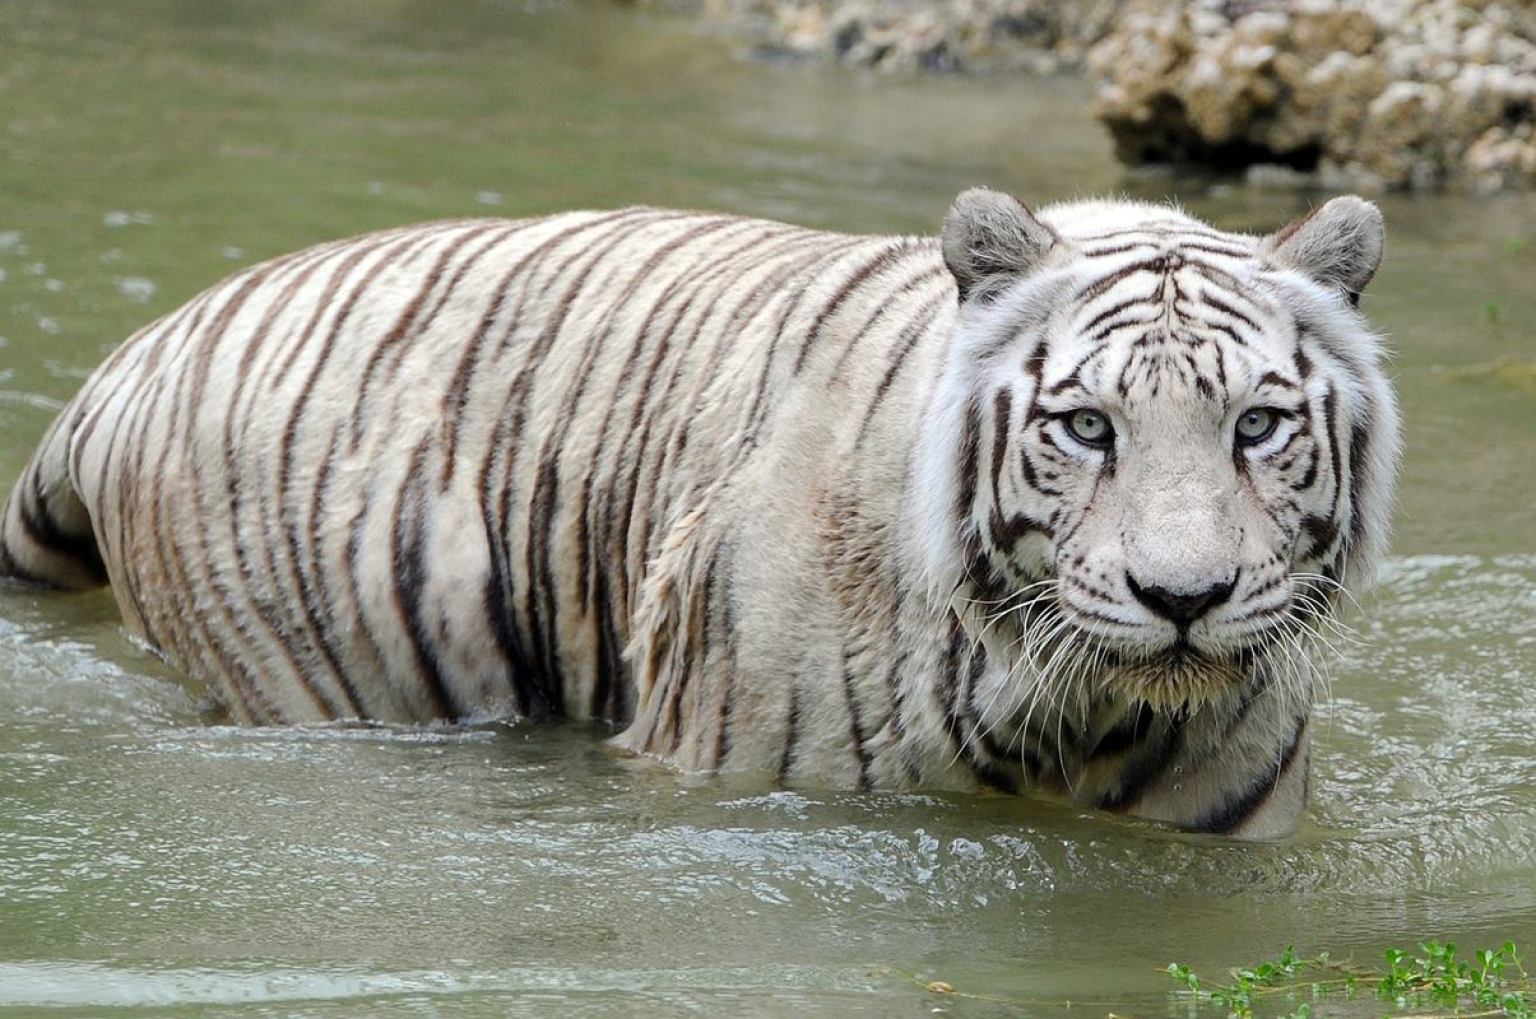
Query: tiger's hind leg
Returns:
{"type": "Point", "coordinates": [45, 528]}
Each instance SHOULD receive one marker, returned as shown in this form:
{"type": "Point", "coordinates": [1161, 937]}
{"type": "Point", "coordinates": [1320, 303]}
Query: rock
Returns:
{"type": "Point", "coordinates": [1372, 93]}
{"type": "Point", "coordinates": [1035, 36]}
{"type": "Point", "coordinates": [1501, 158]}
{"type": "Point", "coordinates": [1367, 94]}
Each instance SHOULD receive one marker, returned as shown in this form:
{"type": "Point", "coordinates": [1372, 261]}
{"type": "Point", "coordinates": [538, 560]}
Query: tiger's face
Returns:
{"type": "Point", "coordinates": [1172, 447]}
{"type": "Point", "coordinates": [1187, 494]}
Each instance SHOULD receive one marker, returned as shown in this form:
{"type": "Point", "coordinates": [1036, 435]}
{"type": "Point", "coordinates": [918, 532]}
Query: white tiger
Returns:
{"type": "Point", "coordinates": [1059, 501]}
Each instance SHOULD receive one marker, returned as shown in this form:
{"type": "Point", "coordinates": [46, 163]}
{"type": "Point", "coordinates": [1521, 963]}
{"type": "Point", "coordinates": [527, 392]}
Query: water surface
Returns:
{"type": "Point", "coordinates": [155, 862]}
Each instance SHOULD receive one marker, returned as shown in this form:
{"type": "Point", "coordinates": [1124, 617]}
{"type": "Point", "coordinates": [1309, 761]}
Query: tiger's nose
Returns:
{"type": "Point", "coordinates": [1181, 607]}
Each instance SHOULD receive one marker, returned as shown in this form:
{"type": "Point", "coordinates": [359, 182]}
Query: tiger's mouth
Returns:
{"type": "Point", "coordinates": [1180, 677]}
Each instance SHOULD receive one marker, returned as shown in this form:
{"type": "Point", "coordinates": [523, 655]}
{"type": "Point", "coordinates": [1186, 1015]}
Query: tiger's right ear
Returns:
{"type": "Point", "coordinates": [990, 240]}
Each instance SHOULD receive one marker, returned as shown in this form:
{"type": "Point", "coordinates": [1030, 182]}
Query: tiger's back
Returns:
{"type": "Point", "coordinates": [421, 474]}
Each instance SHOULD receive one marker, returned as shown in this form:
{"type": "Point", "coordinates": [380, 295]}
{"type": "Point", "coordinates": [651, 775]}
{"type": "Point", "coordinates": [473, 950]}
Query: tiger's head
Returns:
{"type": "Point", "coordinates": [1158, 454]}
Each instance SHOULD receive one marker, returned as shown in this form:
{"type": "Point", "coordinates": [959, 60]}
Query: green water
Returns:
{"type": "Point", "coordinates": [153, 864]}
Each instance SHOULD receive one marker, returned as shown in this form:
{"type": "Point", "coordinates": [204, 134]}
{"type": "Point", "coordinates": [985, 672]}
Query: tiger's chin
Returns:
{"type": "Point", "coordinates": [1178, 680]}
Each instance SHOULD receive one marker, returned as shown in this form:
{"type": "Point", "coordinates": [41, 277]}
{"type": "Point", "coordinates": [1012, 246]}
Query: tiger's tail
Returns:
{"type": "Point", "coordinates": [45, 529]}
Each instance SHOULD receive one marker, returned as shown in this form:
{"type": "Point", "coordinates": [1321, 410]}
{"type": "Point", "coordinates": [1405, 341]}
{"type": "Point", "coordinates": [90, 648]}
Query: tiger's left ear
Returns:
{"type": "Point", "coordinates": [1338, 244]}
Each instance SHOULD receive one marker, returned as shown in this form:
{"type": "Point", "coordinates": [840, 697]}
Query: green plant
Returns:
{"type": "Point", "coordinates": [1493, 982]}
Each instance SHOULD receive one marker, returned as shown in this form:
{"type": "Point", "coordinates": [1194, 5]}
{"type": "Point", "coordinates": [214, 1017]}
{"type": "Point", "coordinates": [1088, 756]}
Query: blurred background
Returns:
{"type": "Point", "coordinates": [150, 147]}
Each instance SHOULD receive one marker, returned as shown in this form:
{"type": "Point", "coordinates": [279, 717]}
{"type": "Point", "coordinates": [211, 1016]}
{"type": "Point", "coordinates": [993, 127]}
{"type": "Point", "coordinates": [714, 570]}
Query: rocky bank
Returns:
{"type": "Point", "coordinates": [1037, 36]}
{"type": "Point", "coordinates": [1391, 93]}
{"type": "Point", "coordinates": [1378, 94]}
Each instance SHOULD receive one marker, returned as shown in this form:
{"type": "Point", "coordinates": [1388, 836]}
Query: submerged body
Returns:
{"type": "Point", "coordinates": [770, 498]}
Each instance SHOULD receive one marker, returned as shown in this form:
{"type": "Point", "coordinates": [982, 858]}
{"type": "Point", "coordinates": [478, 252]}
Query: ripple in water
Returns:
{"type": "Point", "coordinates": [530, 849]}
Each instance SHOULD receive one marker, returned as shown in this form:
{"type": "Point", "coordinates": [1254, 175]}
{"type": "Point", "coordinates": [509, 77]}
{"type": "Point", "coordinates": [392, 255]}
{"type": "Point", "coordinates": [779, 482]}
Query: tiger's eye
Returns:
{"type": "Point", "coordinates": [1255, 425]}
{"type": "Point", "coordinates": [1090, 427]}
